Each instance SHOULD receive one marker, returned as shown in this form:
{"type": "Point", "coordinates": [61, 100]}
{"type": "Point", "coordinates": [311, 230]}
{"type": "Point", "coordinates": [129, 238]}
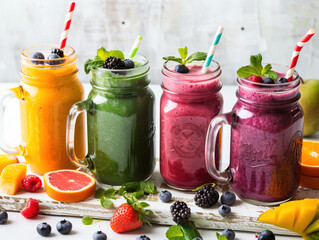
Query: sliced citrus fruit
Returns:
{"type": "Point", "coordinates": [310, 153]}
{"type": "Point", "coordinates": [5, 160]}
{"type": "Point", "coordinates": [69, 185]}
{"type": "Point", "coordinates": [11, 178]}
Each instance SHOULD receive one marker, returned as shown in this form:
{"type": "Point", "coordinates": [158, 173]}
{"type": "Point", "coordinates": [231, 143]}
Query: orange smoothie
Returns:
{"type": "Point", "coordinates": [46, 94]}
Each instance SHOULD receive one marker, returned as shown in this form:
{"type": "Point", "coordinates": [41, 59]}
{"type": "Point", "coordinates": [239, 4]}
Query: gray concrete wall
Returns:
{"type": "Point", "coordinates": [271, 27]}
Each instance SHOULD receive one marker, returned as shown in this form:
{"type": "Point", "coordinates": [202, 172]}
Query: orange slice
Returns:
{"type": "Point", "coordinates": [309, 163]}
{"type": "Point", "coordinates": [11, 178]}
{"type": "Point", "coordinates": [69, 185]}
{"type": "Point", "coordinates": [5, 160]}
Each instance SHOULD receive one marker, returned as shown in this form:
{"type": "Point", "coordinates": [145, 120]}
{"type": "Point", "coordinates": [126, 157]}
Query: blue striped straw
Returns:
{"type": "Point", "coordinates": [212, 49]}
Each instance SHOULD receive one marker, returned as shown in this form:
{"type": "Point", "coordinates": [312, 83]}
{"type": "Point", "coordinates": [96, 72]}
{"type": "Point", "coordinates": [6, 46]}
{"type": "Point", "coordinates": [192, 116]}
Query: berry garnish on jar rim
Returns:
{"type": "Point", "coordinates": [255, 71]}
{"type": "Point", "coordinates": [183, 59]}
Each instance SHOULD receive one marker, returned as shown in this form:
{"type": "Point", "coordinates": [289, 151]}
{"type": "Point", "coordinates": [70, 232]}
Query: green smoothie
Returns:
{"type": "Point", "coordinates": [120, 124]}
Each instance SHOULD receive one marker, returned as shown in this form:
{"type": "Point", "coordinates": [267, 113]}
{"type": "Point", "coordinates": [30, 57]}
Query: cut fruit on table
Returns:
{"type": "Point", "coordinates": [69, 185]}
{"type": "Point", "coordinates": [309, 165]}
{"type": "Point", "coordinates": [6, 160]}
{"type": "Point", "coordinates": [11, 178]}
{"type": "Point", "coordinates": [300, 216]}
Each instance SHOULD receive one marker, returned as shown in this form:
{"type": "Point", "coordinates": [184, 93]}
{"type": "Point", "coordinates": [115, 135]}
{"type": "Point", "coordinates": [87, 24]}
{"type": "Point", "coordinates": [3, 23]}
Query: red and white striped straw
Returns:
{"type": "Point", "coordinates": [68, 18]}
{"type": "Point", "coordinates": [295, 53]}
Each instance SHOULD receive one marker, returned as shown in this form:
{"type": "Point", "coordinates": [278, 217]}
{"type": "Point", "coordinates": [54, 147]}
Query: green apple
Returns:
{"type": "Point", "coordinates": [309, 101]}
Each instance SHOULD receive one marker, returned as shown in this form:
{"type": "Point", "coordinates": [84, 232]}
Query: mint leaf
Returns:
{"type": "Point", "coordinates": [197, 56]}
{"type": "Point", "coordinates": [271, 74]}
{"type": "Point", "coordinates": [92, 64]}
{"type": "Point", "coordinates": [99, 193]}
{"type": "Point", "coordinates": [106, 202]}
{"type": "Point", "coordinates": [87, 220]}
{"type": "Point", "coordinates": [138, 195]}
{"type": "Point", "coordinates": [266, 69]}
{"type": "Point", "coordinates": [116, 53]}
{"type": "Point", "coordinates": [221, 237]}
{"type": "Point", "coordinates": [102, 53]}
{"type": "Point", "coordinates": [110, 193]}
{"type": "Point", "coordinates": [172, 58]}
{"type": "Point", "coordinates": [183, 53]}
{"type": "Point", "coordinates": [147, 187]}
{"type": "Point", "coordinates": [246, 71]}
{"type": "Point", "coordinates": [255, 62]}
{"type": "Point", "coordinates": [175, 233]}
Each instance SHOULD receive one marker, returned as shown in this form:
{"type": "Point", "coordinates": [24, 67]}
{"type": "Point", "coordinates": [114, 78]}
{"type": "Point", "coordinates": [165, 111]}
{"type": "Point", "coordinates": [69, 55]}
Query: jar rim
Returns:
{"type": "Point", "coordinates": [69, 58]}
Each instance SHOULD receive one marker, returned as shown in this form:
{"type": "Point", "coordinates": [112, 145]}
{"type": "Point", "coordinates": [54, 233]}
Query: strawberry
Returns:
{"type": "Point", "coordinates": [125, 218]}
{"type": "Point", "coordinates": [256, 79]}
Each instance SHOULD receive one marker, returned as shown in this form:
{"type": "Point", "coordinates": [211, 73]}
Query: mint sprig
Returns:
{"type": "Point", "coordinates": [256, 68]}
{"type": "Point", "coordinates": [221, 237]}
{"type": "Point", "coordinates": [183, 59]}
{"type": "Point", "coordinates": [100, 57]}
{"type": "Point", "coordinates": [89, 221]}
{"type": "Point", "coordinates": [175, 233]}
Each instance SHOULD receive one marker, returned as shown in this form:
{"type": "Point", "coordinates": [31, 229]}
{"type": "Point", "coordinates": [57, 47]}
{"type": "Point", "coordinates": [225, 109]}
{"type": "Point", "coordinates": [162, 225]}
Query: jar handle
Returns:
{"type": "Point", "coordinates": [5, 98]}
{"type": "Point", "coordinates": [76, 109]}
{"type": "Point", "coordinates": [210, 145]}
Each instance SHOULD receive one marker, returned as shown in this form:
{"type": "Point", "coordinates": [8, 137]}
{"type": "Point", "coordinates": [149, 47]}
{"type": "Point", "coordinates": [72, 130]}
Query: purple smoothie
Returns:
{"type": "Point", "coordinates": [266, 141]}
{"type": "Point", "coordinates": [188, 104]}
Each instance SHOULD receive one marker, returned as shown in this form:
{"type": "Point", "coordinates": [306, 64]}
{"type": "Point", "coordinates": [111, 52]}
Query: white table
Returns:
{"type": "Point", "coordinates": [18, 227]}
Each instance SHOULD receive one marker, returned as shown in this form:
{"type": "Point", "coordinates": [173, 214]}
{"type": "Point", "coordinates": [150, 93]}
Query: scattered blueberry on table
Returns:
{"type": "Point", "coordinates": [228, 198]}
{"type": "Point", "coordinates": [99, 235]}
{"type": "Point", "coordinates": [224, 210]}
{"type": "Point", "coordinates": [64, 226]}
{"type": "Point", "coordinates": [165, 196]}
{"type": "Point", "coordinates": [44, 229]}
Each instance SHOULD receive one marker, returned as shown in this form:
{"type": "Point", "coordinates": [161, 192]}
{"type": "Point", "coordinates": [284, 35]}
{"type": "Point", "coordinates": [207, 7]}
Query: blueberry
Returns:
{"type": "Point", "coordinates": [282, 80]}
{"type": "Point", "coordinates": [266, 235]}
{"type": "Point", "coordinates": [181, 69]}
{"type": "Point", "coordinates": [37, 55]}
{"type": "Point", "coordinates": [268, 81]}
{"type": "Point", "coordinates": [58, 51]}
{"type": "Point", "coordinates": [197, 238]}
{"type": "Point", "coordinates": [99, 235]}
{"type": "Point", "coordinates": [54, 56]}
{"type": "Point", "coordinates": [224, 210]}
{"type": "Point", "coordinates": [129, 63]}
{"type": "Point", "coordinates": [229, 234]}
{"type": "Point", "coordinates": [228, 198]}
{"type": "Point", "coordinates": [44, 229]}
{"type": "Point", "coordinates": [3, 216]}
{"type": "Point", "coordinates": [64, 226]}
{"type": "Point", "coordinates": [143, 237]}
{"type": "Point", "coordinates": [165, 196]}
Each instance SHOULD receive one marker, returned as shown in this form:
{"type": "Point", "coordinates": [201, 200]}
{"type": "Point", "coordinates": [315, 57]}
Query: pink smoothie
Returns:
{"type": "Point", "coordinates": [266, 142]}
{"type": "Point", "coordinates": [188, 104]}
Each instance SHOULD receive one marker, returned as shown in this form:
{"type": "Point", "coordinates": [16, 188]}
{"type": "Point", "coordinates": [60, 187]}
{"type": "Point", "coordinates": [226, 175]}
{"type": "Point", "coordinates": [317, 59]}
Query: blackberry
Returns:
{"type": "Point", "coordinates": [206, 197]}
{"type": "Point", "coordinates": [180, 212]}
{"type": "Point", "coordinates": [58, 51]}
{"type": "Point", "coordinates": [114, 63]}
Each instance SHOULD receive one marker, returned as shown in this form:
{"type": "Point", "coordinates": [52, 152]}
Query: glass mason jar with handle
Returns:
{"type": "Point", "coordinates": [266, 141]}
{"type": "Point", "coordinates": [120, 125]}
{"type": "Point", "coordinates": [188, 103]}
{"type": "Point", "coordinates": [47, 91]}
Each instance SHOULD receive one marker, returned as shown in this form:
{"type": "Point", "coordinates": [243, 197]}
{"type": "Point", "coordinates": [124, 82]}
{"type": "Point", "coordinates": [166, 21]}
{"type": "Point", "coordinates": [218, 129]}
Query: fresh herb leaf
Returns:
{"type": "Point", "coordinates": [138, 195]}
{"type": "Point", "coordinates": [175, 233]}
{"type": "Point", "coordinates": [172, 58]}
{"type": "Point", "coordinates": [106, 202]}
{"type": "Point", "coordinates": [87, 220]}
{"type": "Point", "coordinates": [110, 193]}
{"type": "Point", "coordinates": [256, 68]}
{"type": "Point", "coordinates": [99, 193]}
{"type": "Point", "coordinates": [147, 187]}
{"type": "Point", "coordinates": [116, 53]}
{"type": "Point", "coordinates": [92, 64]}
{"type": "Point", "coordinates": [221, 237]}
{"type": "Point", "coordinates": [255, 62]}
{"type": "Point", "coordinates": [183, 53]}
{"type": "Point", "coordinates": [271, 74]}
{"type": "Point", "coordinates": [197, 56]}
{"type": "Point", "coordinates": [246, 71]}
{"type": "Point", "coordinates": [102, 53]}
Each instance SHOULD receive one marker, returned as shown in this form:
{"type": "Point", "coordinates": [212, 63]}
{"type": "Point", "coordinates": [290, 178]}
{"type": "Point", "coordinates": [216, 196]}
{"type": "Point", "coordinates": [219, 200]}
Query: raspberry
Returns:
{"type": "Point", "coordinates": [31, 208]}
{"type": "Point", "coordinates": [31, 183]}
{"type": "Point", "coordinates": [256, 79]}
{"type": "Point", "coordinates": [114, 63]}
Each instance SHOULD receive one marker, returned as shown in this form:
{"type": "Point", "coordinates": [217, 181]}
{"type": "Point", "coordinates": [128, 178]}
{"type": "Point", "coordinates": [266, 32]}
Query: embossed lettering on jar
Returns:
{"type": "Point", "coordinates": [188, 104]}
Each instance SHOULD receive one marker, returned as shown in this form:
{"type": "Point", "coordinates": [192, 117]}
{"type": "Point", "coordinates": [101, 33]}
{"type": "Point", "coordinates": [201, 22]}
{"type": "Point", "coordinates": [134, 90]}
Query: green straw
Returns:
{"type": "Point", "coordinates": [135, 46]}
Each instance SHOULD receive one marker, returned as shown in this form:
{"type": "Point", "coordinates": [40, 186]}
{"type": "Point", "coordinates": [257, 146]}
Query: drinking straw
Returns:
{"type": "Point", "coordinates": [67, 25]}
{"type": "Point", "coordinates": [135, 46]}
{"type": "Point", "coordinates": [212, 49]}
{"type": "Point", "coordinates": [295, 53]}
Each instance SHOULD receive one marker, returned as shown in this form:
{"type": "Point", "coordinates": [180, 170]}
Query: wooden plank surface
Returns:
{"type": "Point", "coordinates": [243, 216]}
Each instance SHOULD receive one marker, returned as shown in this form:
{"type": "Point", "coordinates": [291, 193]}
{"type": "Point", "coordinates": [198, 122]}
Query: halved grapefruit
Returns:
{"type": "Point", "coordinates": [69, 185]}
